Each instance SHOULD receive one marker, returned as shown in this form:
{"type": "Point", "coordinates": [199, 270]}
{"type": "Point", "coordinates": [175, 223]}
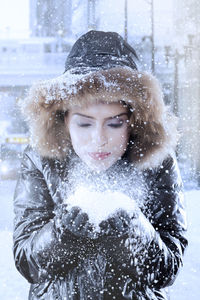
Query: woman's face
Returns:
{"type": "Point", "coordinates": [99, 133]}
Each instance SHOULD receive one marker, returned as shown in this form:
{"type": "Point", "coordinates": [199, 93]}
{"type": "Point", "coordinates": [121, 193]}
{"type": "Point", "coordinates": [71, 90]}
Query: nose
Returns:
{"type": "Point", "coordinates": [99, 137]}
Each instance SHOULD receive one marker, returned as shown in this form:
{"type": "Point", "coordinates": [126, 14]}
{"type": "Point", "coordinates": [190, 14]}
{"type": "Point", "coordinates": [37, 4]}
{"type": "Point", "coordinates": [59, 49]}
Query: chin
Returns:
{"type": "Point", "coordinates": [99, 167]}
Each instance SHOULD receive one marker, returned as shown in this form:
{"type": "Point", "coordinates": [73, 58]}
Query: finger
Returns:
{"type": "Point", "coordinates": [88, 230]}
{"type": "Point", "coordinates": [124, 216]}
{"type": "Point", "coordinates": [71, 215]}
{"type": "Point", "coordinates": [103, 225]}
{"type": "Point", "coordinates": [75, 210]}
{"type": "Point", "coordinates": [116, 224]}
{"type": "Point", "coordinates": [80, 221]}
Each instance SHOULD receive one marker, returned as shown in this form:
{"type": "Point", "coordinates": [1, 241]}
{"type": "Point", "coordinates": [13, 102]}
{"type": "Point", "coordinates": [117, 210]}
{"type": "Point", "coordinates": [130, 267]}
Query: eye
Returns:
{"type": "Point", "coordinates": [84, 124]}
{"type": "Point", "coordinates": [116, 123]}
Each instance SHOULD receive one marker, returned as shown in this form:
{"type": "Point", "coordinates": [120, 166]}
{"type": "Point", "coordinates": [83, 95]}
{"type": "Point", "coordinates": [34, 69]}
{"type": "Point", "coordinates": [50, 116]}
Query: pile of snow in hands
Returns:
{"type": "Point", "coordinates": [102, 194]}
{"type": "Point", "coordinates": [100, 205]}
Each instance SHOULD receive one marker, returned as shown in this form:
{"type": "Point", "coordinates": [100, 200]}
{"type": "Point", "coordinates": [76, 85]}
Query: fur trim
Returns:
{"type": "Point", "coordinates": [153, 133]}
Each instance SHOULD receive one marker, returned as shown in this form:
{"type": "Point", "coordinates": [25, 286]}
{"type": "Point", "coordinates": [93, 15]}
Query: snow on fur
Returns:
{"type": "Point", "coordinates": [154, 127]}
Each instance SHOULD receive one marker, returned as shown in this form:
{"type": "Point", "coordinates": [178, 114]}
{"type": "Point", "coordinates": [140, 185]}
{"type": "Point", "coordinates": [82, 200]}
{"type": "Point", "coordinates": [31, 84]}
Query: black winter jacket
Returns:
{"type": "Point", "coordinates": [61, 266]}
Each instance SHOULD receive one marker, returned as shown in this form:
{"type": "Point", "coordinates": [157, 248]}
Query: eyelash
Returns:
{"type": "Point", "coordinates": [84, 125]}
{"type": "Point", "coordinates": [115, 125]}
{"type": "Point", "coordinates": [110, 125]}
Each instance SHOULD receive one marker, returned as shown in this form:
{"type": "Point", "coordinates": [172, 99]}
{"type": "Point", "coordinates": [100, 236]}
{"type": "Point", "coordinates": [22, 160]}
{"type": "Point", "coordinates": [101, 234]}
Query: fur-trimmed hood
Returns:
{"type": "Point", "coordinates": [153, 133]}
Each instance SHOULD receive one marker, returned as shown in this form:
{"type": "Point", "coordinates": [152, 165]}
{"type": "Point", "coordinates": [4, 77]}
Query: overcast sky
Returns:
{"type": "Point", "coordinates": [14, 18]}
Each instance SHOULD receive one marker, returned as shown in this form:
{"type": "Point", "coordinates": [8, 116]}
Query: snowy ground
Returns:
{"type": "Point", "coordinates": [14, 287]}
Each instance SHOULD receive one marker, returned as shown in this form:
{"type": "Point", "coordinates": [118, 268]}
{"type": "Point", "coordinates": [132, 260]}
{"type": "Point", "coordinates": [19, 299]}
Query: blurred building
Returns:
{"type": "Point", "coordinates": [50, 18]}
{"type": "Point", "coordinates": [22, 62]}
{"type": "Point", "coordinates": [187, 80]}
{"type": "Point", "coordinates": [42, 56]}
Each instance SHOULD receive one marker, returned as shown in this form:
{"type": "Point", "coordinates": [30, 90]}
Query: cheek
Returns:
{"type": "Point", "coordinates": [119, 138]}
{"type": "Point", "coordinates": [79, 139]}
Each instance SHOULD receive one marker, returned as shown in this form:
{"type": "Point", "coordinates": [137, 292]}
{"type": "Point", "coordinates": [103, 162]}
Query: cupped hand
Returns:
{"type": "Point", "coordinates": [77, 221]}
{"type": "Point", "coordinates": [116, 225]}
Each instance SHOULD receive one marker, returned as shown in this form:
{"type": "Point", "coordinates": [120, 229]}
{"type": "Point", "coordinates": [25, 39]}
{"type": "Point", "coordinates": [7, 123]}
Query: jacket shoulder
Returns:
{"type": "Point", "coordinates": [31, 159]}
{"type": "Point", "coordinates": [167, 173]}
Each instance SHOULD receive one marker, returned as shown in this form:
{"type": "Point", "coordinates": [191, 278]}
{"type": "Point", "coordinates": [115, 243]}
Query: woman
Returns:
{"type": "Point", "coordinates": [98, 204]}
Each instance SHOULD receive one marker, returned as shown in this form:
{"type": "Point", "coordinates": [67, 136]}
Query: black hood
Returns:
{"type": "Point", "coordinates": [100, 50]}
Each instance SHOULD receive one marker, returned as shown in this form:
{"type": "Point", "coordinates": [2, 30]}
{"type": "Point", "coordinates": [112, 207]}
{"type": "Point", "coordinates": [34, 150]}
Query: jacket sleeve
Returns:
{"type": "Point", "coordinates": [41, 250]}
{"type": "Point", "coordinates": [152, 251]}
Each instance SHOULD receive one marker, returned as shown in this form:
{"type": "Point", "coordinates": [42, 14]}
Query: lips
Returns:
{"type": "Point", "coordinates": [99, 155]}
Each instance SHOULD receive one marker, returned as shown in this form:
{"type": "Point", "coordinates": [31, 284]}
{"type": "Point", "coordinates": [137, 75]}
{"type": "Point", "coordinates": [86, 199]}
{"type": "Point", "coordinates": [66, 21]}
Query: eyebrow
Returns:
{"type": "Point", "coordinates": [89, 117]}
